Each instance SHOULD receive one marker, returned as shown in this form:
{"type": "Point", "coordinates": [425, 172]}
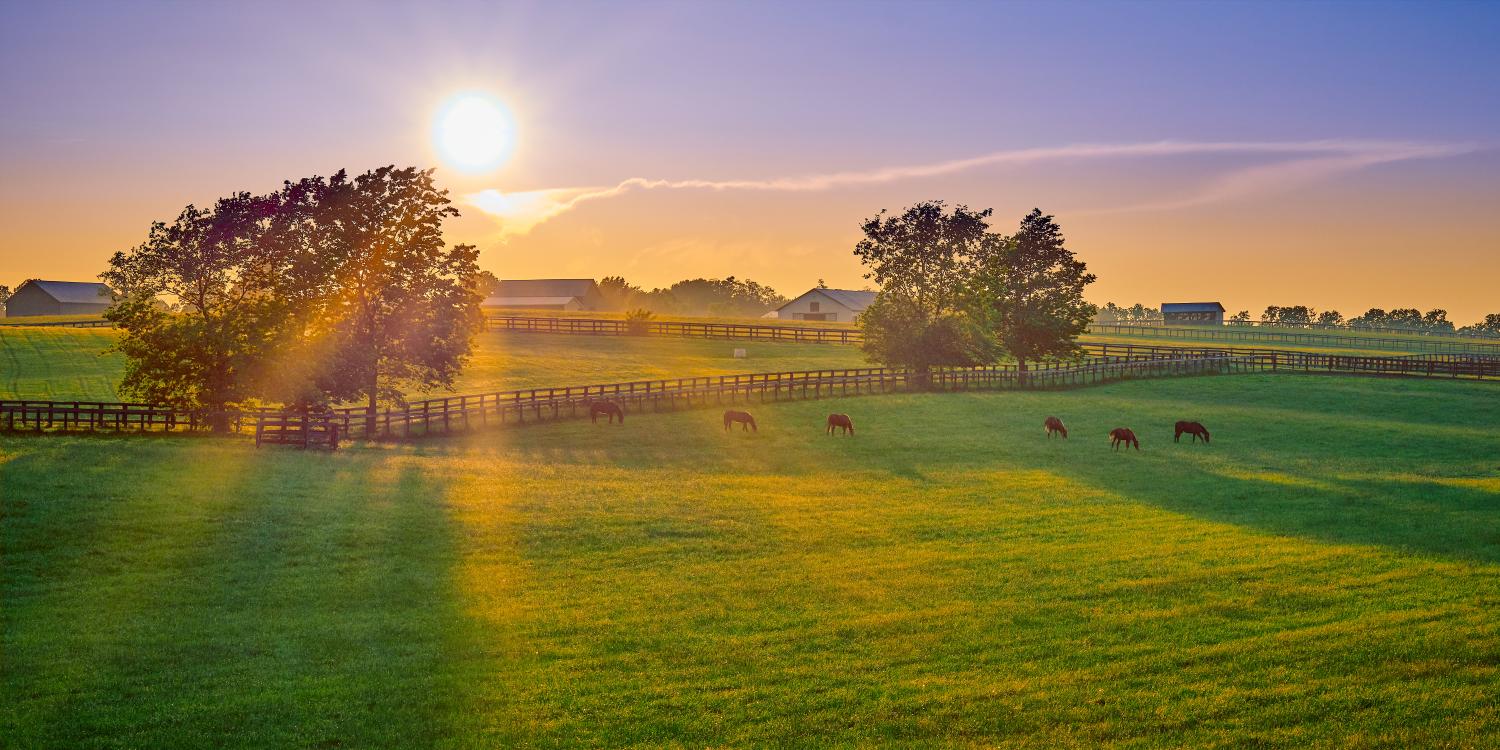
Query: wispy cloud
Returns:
{"type": "Point", "coordinates": [1298, 162]}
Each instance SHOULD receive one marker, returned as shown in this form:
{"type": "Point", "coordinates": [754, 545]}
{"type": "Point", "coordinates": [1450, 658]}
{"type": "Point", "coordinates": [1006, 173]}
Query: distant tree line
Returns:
{"type": "Point", "coordinates": [727, 297]}
{"type": "Point", "coordinates": [1136, 313]}
{"type": "Point", "coordinates": [1408, 318]}
{"type": "Point", "coordinates": [329, 290]}
{"type": "Point", "coordinates": [952, 292]}
{"type": "Point", "coordinates": [1435, 320]}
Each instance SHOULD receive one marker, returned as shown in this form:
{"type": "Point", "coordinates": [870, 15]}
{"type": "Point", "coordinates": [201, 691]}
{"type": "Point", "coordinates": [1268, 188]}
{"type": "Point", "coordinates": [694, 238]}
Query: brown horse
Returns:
{"type": "Point", "coordinates": [746, 421]}
{"type": "Point", "coordinates": [1053, 424]}
{"type": "Point", "coordinates": [607, 408]}
{"type": "Point", "coordinates": [1190, 428]}
{"type": "Point", "coordinates": [1123, 436]}
{"type": "Point", "coordinates": [841, 421]}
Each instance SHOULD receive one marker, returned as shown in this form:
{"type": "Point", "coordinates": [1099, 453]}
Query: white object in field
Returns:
{"type": "Point", "coordinates": [739, 353]}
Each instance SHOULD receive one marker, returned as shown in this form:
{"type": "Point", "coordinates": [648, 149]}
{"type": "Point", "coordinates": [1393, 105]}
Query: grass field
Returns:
{"type": "Point", "coordinates": [57, 364]}
{"type": "Point", "coordinates": [71, 364]}
{"type": "Point", "coordinates": [1327, 572]}
{"type": "Point", "coordinates": [68, 364]}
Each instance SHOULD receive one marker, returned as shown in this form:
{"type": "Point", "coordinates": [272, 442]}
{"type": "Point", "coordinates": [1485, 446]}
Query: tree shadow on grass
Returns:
{"type": "Point", "coordinates": [281, 599]}
{"type": "Point", "coordinates": [1422, 518]}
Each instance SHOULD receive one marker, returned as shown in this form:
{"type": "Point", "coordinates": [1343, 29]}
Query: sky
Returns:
{"type": "Point", "coordinates": [1339, 155]}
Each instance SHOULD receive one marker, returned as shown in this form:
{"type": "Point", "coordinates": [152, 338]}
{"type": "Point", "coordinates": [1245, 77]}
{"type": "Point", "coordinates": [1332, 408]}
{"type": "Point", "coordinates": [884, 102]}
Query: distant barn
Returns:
{"type": "Point", "coordinates": [1192, 313]}
{"type": "Point", "coordinates": [831, 305]}
{"type": "Point", "coordinates": [37, 297]}
{"type": "Point", "coordinates": [546, 294]}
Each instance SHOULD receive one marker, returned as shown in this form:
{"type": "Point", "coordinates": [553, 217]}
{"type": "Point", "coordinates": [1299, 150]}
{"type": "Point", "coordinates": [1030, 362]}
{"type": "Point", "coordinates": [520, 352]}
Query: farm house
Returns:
{"type": "Point", "coordinates": [37, 297]}
{"type": "Point", "coordinates": [546, 294]}
{"type": "Point", "coordinates": [1192, 313]}
{"type": "Point", "coordinates": [830, 305]}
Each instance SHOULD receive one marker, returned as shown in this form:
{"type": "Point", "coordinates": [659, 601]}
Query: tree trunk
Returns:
{"type": "Point", "coordinates": [1021, 371]}
{"type": "Point", "coordinates": [218, 418]}
{"type": "Point", "coordinates": [920, 379]}
{"type": "Point", "coordinates": [370, 420]}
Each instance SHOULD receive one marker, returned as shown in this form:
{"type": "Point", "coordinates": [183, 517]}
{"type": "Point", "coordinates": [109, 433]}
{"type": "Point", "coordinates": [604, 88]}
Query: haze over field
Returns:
{"type": "Point", "coordinates": [1269, 154]}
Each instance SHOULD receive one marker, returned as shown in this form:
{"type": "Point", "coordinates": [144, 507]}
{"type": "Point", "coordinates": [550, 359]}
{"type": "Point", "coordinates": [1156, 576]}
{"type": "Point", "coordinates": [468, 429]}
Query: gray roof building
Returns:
{"type": "Point", "coordinates": [39, 297]}
{"type": "Point", "coordinates": [547, 294]}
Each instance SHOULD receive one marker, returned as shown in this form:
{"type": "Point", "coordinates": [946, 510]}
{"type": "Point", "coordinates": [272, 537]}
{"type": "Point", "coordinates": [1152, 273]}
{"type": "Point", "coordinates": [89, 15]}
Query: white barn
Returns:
{"type": "Point", "coordinates": [827, 305]}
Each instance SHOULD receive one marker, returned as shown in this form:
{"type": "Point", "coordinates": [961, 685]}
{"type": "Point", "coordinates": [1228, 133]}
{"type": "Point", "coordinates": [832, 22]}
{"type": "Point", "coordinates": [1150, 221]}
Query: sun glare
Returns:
{"type": "Point", "coordinates": [474, 132]}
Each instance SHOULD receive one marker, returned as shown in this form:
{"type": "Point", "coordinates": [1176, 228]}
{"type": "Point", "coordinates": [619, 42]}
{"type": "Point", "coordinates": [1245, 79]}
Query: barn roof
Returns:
{"type": "Point", "coordinates": [74, 292]}
{"type": "Point", "coordinates": [500, 301]}
{"type": "Point", "coordinates": [853, 299]}
{"type": "Point", "coordinates": [1167, 307]}
{"type": "Point", "coordinates": [545, 288]}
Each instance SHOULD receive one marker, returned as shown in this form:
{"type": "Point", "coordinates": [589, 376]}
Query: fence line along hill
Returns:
{"type": "Point", "coordinates": [1104, 363]}
{"type": "Point", "coordinates": [583, 326]}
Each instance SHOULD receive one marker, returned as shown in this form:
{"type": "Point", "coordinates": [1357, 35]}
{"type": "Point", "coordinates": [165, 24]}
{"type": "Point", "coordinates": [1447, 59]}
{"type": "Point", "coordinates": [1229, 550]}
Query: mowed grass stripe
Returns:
{"type": "Point", "coordinates": [59, 364]}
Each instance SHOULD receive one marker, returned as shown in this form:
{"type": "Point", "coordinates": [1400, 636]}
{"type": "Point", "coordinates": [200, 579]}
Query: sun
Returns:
{"type": "Point", "coordinates": [474, 132]}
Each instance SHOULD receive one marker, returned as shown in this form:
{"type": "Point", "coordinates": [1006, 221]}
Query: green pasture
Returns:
{"type": "Point", "coordinates": [59, 364]}
{"type": "Point", "coordinates": [65, 364]}
{"type": "Point", "coordinates": [1325, 573]}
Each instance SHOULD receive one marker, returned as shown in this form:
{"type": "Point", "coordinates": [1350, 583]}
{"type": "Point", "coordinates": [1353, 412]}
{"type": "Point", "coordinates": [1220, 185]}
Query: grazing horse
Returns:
{"type": "Point", "coordinates": [1190, 428]}
{"type": "Point", "coordinates": [1123, 436]}
{"type": "Point", "coordinates": [1053, 424]}
{"type": "Point", "coordinates": [607, 408]}
{"type": "Point", "coordinates": [841, 421]}
{"type": "Point", "coordinates": [746, 421]}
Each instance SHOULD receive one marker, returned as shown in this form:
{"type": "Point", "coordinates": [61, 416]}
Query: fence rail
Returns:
{"type": "Point", "coordinates": [21, 321]}
{"type": "Point", "coordinates": [1451, 333]}
{"type": "Point", "coordinates": [1211, 333]}
{"type": "Point", "coordinates": [1104, 363]}
{"type": "Point", "coordinates": [682, 329]}
{"type": "Point", "coordinates": [810, 334]}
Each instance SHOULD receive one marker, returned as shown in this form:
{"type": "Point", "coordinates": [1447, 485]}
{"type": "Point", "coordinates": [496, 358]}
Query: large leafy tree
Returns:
{"type": "Point", "coordinates": [1489, 326]}
{"type": "Point", "coordinates": [1028, 291]}
{"type": "Point", "coordinates": [618, 293]}
{"type": "Point", "coordinates": [899, 333]}
{"type": "Point", "coordinates": [923, 254]}
{"type": "Point", "coordinates": [399, 307]}
{"type": "Point", "coordinates": [922, 259]}
{"type": "Point", "coordinates": [207, 351]}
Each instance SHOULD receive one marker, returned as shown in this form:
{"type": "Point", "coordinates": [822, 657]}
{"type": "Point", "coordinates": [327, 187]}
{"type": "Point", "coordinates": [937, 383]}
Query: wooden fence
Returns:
{"type": "Point", "coordinates": [614, 327]}
{"type": "Point", "coordinates": [810, 334]}
{"type": "Point", "coordinates": [21, 321]}
{"type": "Point", "coordinates": [1105, 363]}
{"type": "Point", "coordinates": [1211, 333]}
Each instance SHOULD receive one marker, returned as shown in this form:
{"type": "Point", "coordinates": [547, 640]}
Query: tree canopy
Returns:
{"type": "Point", "coordinates": [955, 293]}
{"type": "Point", "coordinates": [1028, 290]}
{"type": "Point", "coordinates": [328, 290]}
